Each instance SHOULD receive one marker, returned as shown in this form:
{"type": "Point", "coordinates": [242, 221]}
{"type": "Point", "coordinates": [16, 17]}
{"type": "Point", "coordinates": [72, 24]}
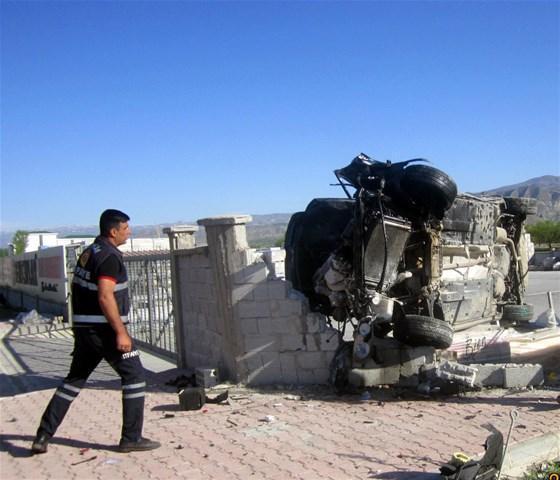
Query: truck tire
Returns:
{"type": "Point", "coordinates": [429, 188]}
{"type": "Point", "coordinates": [422, 331]}
{"type": "Point", "coordinates": [521, 205]}
{"type": "Point", "coordinates": [518, 313]}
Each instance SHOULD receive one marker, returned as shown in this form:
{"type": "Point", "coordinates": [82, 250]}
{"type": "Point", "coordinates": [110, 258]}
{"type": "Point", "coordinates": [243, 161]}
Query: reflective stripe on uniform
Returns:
{"type": "Point", "coordinates": [93, 286]}
{"type": "Point", "coordinates": [134, 385]}
{"type": "Point", "coordinates": [128, 396]}
{"type": "Point", "coordinates": [94, 318]}
{"type": "Point", "coordinates": [63, 395]}
{"type": "Point", "coordinates": [71, 388]}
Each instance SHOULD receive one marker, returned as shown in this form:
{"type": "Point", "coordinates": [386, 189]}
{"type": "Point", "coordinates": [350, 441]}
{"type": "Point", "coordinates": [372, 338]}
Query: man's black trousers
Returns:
{"type": "Point", "coordinates": [92, 343]}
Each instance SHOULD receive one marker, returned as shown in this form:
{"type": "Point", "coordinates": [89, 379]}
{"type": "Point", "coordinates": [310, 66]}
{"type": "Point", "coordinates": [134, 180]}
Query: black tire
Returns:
{"type": "Point", "coordinates": [430, 189]}
{"type": "Point", "coordinates": [518, 313]}
{"type": "Point", "coordinates": [521, 205]}
{"type": "Point", "coordinates": [421, 331]}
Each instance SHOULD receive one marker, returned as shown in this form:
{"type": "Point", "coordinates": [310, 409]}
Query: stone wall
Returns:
{"type": "Point", "coordinates": [239, 315]}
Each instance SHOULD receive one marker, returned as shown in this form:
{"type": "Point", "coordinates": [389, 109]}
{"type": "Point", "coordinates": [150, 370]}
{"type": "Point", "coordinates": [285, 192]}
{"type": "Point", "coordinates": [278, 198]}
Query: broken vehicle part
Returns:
{"type": "Point", "coordinates": [406, 253]}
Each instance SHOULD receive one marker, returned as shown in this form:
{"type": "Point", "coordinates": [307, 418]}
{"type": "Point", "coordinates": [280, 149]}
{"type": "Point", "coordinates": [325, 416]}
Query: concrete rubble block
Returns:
{"type": "Point", "coordinates": [285, 308]}
{"type": "Point", "coordinates": [292, 343]}
{"type": "Point", "coordinates": [412, 358]}
{"type": "Point", "coordinates": [255, 273]}
{"type": "Point", "coordinates": [489, 375]}
{"type": "Point", "coordinates": [206, 377]}
{"type": "Point", "coordinates": [261, 343]}
{"type": "Point", "coordinates": [311, 360]}
{"type": "Point", "coordinates": [369, 377]}
{"type": "Point", "coordinates": [281, 325]}
{"type": "Point", "coordinates": [243, 292]}
{"type": "Point", "coordinates": [253, 309]}
{"type": "Point", "coordinates": [249, 326]}
{"type": "Point", "coordinates": [523, 375]}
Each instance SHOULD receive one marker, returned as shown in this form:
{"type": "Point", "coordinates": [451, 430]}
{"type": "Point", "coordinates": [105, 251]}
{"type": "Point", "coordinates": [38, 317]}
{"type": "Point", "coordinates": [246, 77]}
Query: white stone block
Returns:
{"type": "Point", "coordinates": [255, 273]}
{"type": "Point", "coordinates": [277, 289]}
{"type": "Point", "coordinates": [292, 343]}
{"type": "Point", "coordinates": [285, 308]}
{"type": "Point", "coordinates": [310, 360]}
{"type": "Point", "coordinates": [260, 291]}
{"type": "Point", "coordinates": [243, 292]}
{"type": "Point", "coordinates": [261, 343]}
{"type": "Point", "coordinates": [249, 326]}
{"type": "Point", "coordinates": [253, 309]}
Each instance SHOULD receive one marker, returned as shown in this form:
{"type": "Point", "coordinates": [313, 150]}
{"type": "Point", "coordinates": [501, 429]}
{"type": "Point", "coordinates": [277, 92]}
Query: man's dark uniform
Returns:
{"type": "Point", "coordinates": [95, 339]}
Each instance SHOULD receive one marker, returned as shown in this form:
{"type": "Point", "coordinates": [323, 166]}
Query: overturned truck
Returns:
{"type": "Point", "coordinates": [405, 256]}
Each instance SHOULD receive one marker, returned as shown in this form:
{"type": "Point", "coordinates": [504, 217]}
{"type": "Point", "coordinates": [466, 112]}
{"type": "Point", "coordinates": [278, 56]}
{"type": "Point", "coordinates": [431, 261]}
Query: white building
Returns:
{"type": "Point", "coordinates": [41, 240]}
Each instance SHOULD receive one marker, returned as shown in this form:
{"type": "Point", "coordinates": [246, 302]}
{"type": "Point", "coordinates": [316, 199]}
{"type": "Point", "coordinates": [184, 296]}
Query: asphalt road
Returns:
{"type": "Point", "coordinates": [539, 284]}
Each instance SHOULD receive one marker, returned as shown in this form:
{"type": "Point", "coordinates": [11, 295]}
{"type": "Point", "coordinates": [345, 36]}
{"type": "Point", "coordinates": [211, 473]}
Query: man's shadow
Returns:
{"type": "Point", "coordinates": [7, 445]}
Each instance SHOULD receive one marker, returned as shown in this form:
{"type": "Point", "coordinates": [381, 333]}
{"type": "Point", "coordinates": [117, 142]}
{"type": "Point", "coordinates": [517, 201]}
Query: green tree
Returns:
{"type": "Point", "coordinates": [545, 232]}
{"type": "Point", "coordinates": [3, 252]}
{"type": "Point", "coordinates": [19, 240]}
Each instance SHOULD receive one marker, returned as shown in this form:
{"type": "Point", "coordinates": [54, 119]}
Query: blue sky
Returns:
{"type": "Point", "coordinates": [176, 111]}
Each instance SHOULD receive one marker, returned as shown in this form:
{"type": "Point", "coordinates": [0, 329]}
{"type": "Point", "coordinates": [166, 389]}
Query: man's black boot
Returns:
{"type": "Point", "coordinates": [140, 445]}
{"type": "Point", "coordinates": [40, 443]}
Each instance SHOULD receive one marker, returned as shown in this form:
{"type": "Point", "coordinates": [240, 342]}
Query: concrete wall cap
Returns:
{"type": "Point", "coordinates": [225, 220]}
{"type": "Point", "coordinates": [180, 229]}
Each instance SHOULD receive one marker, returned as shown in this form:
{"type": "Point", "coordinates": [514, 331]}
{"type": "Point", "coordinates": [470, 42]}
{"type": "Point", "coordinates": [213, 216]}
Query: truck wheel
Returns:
{"type": "Point", "coordinates": [421, 331]}
{"type": "Point", "coordinates": [518, 313]}
{"type": "Point", "coordinates": [429, 188]}
{"type": "Point", "coordinates": [521, 205]}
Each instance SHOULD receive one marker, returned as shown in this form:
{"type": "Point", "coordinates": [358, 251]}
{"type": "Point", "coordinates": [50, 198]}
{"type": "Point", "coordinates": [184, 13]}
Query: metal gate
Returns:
{"type": "Point", "coordinates": [151, 307]}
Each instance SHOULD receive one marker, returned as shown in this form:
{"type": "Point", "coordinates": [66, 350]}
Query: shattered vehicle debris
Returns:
{"type": "Point", "coordinates": [406, 256]}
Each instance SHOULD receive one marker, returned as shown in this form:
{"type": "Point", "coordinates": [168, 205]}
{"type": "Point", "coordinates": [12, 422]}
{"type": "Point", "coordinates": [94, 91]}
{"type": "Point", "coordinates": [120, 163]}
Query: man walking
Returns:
{"type": "Point", "coordinates": [100, 304]}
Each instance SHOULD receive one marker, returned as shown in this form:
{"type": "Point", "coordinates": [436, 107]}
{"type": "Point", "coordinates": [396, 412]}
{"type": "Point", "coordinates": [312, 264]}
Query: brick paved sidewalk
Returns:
{"type": "Point", "coordinates": [313, 434]}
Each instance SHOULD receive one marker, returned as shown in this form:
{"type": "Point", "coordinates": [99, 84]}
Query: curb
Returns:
{"type": "Point", "coordinates": [524, 454]}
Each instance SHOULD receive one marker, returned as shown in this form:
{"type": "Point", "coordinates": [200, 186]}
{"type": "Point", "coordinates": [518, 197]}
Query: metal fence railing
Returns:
{"type": "Point", "coordinates": [151, 307]}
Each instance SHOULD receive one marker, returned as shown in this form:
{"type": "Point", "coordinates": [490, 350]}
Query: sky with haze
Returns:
{"type": "Point", "coordinates": [175, 110]}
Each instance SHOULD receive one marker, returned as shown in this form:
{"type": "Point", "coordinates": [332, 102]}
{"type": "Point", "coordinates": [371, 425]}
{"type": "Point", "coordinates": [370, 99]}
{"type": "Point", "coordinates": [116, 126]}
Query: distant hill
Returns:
{"type": "Point", "coordinates": [546, 190]}
{"type": "Point", "coordinates": [267, 229]}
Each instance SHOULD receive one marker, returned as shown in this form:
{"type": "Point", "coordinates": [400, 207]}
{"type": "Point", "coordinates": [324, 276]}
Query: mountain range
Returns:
{"type": "Point", "coordinates": [267, 229]}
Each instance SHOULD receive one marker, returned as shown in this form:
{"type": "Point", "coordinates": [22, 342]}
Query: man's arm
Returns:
{"type": "Point", "coordinates": [108, 304]}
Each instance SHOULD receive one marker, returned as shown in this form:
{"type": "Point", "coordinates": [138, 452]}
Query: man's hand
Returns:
{"type": "Point", "coordinates": [124, 342]}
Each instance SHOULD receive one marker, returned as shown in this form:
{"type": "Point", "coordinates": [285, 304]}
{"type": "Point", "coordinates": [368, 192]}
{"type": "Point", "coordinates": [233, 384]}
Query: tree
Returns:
{"type": "Point", "coordinates": [546, 231]}
{"type": "Point", "coordinates": [20, 240]}
{"type": "Point", "coordinates": [4, 252]}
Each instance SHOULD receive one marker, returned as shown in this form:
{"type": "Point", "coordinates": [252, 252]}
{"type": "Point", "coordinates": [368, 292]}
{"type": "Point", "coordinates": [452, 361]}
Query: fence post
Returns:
{"type": "Point", "coordinates": [180, 237]}
{"type": "Point", "coordinates": [227, 239]}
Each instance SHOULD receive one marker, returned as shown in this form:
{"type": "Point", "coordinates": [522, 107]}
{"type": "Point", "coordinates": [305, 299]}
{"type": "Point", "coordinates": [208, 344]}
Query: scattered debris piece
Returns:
{"type": "Point", "coordinates": [192, 398]}
{"type": "Point", "coordinates": [229, 420]}
{"type": "Point", "coordinates": [268, 419]}
{"type": "Point", "coordinates": [84, 460]}
{"type": "Point", "coordinates": [112, 461]}
{"type": "Point", "coordinates": [222, 397]}
{"type": "Point", "coordinates": [12, 420]}
{"type": "Point", "coordinates": [292, 397]}
{"type": "Point", "coordinates": [168, 415]}
{"type": "Point", "coordinates": [277, 405]}
{"type": "Point", "coordinates": [83, 450]}
{"type": "Point", "coordinates": [470, 417]}
{"type": "Point", "coordinates": [179, 447]}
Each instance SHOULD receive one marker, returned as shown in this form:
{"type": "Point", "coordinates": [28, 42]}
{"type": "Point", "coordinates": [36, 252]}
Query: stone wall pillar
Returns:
{"type": "Point", "coordinates": [180, 237]}
{"type": "Point", "coordinates": [227, 245]}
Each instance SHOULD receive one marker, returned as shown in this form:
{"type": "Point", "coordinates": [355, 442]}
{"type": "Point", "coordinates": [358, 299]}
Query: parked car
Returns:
{"type": "Point", "coordinates": [552, 262]}
{"type": "Point", "coordinates": [404, 253]}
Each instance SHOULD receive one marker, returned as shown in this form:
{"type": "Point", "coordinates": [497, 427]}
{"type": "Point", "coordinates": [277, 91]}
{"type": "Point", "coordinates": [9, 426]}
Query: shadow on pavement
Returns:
{"type": "Point", "coordinates": [16, 451]}
{"type": "Point", "coordinates": [405, 476]}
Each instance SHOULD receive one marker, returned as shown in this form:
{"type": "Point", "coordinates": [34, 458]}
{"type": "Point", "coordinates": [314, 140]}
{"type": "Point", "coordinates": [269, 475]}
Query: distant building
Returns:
{"type": "Point", "coordinates": [41, 240]}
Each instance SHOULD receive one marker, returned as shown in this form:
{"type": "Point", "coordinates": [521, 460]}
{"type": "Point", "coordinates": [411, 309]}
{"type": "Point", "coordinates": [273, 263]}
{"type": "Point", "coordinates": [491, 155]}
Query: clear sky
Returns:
{"type": "Point", "coordinates": [180, 110]}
